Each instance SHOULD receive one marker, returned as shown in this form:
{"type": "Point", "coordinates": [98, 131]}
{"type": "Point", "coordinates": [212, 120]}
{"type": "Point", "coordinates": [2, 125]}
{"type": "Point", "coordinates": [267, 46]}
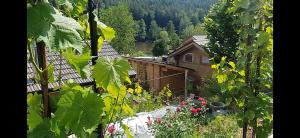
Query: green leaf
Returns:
{"type": "Point", "coordinates": [43, 131]}
{"type": "Point", "coordinates": [242, 72]}
{"type": "Point", "coordinates": [222, 78]}
{"type": "Point", "coordinates": [250, 115]}
{"type": "Point", "coordinates": [79, 112]}
{"type": "Point", "coordinates": [100, 43]}
{"type": "Point", "coordinates": [50, 73]}
{"type": "Point", "coordinates": [232, 64]}
{"type": "Point", "coordinates": [78, 62]}
{"type": "Point", "coordinates": [127, 110]}
{"type": "Point", "coordinates": [61, 37]}
{"type": "Point", "coordinates": [39, 18]}
{"type": "Point", "coordinates": [127, 131]}
{"type": "Point", "coordinates": [110, 75]}
{"type": "Point", "coordinates": [108, 32]}
{"type": "Point", "coordinates": [263, 38]}
{"type": "Point", "coordinates": [34, 117]}
{"type": "Point", "coordinates": [66, 22]}
{"type": "Point", "coordinates": [243, 3]}
{"type": "Point", "coordinates": [247, 19]}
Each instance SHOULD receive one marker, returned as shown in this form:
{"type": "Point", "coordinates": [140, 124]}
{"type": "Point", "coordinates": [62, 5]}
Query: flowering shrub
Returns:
{"type": "Point", "coordinates": [182, 122]}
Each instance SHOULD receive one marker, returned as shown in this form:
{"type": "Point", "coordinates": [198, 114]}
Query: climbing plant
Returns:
{"type": "Point", "coordinates": [63, 27]}
{"type": "Point", "coordinates": [248, 82]}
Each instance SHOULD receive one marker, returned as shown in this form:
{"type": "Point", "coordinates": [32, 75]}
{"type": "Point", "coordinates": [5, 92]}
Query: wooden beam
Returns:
{"type": "Point", "coordinates": [157, 63]}
{"type": "Point", "coordinates": [185, 84]}
{"type": "Point", "coordinates": [42, 60]}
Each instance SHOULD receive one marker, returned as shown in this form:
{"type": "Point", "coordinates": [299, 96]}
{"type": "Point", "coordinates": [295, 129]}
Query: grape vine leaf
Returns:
{"type": "Point", "coordinates": [243, 3]}
{"type": "Point", "coordinates": [108, 32]}
{"type": "Point", "coordinates": [250, 115]}
{"type": "Point", "coordinates": [127, 131]}
{"type": "Point", "coordinates": [38, 19]}
{"type": "Point", "coordinates": [61, 37]}
{"type": "Point", "coordinates": [43, 131]}
{"type": "Point", "coordinates": [110, 75]}
{"type": "Point", "coordinates": [263, 38]}
{"type": "Point", "coordinates": [34, 103]}
{"type": "Point", "coordinates": [100, 43]}
{"type": "Point", "coordinates": [79, 112]}
{"type": "Point", "coordinates": [127, 110]}
{"type": "Point", "coordinates": [78, 62]}
{"type": "Point", "coordinates": [66, 22]}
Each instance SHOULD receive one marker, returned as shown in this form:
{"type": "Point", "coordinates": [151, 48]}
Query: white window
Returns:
{"type": "Point", "coordinates": [205, 59]}
{"type": "Point", "coordinates": [188, 57]}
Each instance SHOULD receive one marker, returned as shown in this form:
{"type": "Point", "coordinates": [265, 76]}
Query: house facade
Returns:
{"type": "Point", "coordinates": [191, 54]}
{"type": "Point", "coordinates": [186, 65]}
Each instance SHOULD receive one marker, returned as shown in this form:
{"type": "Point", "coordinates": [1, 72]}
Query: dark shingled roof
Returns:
{"type": "Point", "coordinates": [67, 71]}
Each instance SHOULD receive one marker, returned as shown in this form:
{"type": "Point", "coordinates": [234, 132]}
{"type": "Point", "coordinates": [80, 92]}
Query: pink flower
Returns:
{"type": "Point", "coordinates": [194, 110]}
{"type": "Point", "coordinates": [158, 120]}
{"type": "Point", "coordinates": [149, 122]}
{"type": "Point", "coordinates": [201, 99]}
{"type": "Point", "coordinates": [178, 109]}
{"type": "Point", "coordinates": [199, 109]}
{"type": "Point", "coordinates": [111, 129]}
{"type": "Point", "coordinates": [204, 103]}
{"type": "Point", "coordinates": [183, 103]}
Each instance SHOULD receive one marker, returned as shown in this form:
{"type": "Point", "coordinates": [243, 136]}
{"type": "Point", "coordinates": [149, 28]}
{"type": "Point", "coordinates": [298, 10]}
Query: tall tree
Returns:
{"type": "Point", "coordinates": [154, 30]}
{"type": "Point", "coordinates": [122, 21]}
{"type": "Point", "coordinates": [141, 35]}
{"type": "Point", "coordinates": [161, 46]}
{"type": "Point", "coordinates": [193, 30]}
{"type": "Point", "coordinates": [174, 38]}
{"type": "Point", "coordinates": [220, 28]}
{"type": "Point", "coordinates": [184, 22]}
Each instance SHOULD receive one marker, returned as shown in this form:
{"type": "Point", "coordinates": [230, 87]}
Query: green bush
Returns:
{"type": "Point", "coordinates": [222, 127]}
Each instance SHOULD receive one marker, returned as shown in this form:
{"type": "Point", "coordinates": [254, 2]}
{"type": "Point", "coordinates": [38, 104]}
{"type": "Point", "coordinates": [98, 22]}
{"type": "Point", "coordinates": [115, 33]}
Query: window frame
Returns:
{"type": "Point", "coordinates": [205, 57]}
{"type": "Point", "coordinates": [184, 57]}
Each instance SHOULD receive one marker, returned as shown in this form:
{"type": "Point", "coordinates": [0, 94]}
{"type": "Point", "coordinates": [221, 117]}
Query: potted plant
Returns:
{"type": "Point", "coordinates": [216, 104]}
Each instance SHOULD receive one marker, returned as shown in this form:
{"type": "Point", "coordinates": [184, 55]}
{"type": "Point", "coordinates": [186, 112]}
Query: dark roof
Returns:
{"type": "Point", "coordinates": [67, 71]}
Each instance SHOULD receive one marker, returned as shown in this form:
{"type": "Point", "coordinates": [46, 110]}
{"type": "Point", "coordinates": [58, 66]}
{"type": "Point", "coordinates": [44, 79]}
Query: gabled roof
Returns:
{"type": "Point", "coordinates": [194, 41]}
{"type": "Point", "coordinates": [66, 70]}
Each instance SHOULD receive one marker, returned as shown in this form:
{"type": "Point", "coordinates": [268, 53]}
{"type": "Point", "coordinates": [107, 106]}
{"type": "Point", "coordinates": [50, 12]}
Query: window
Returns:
{"type": "Point", "coordinates": [188, 57]}
{"type": "Point", "coordinates": [205, 59]}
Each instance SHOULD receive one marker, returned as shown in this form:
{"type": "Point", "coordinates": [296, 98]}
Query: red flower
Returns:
{"type": "Point", "coordinates": [170, 126]}
{"type": "Point", "coordinates": [201, 99]}
{"type": "Point", "coordinates": [183, 103]}
{"type": "Point", "coordinates": [149, 122]}
{"type": "Point", "coordinates": [199, 109]}
{"type": "Point", "coordinates": [194, 111]}
{"type": "Point", "coordinates": [178, 109]}
{"type": "Point", "coordinates": [158, 120]}
{"type": "Point", "coordinates": [111, 129]}
{"type": "Point", "coordinates": [204, 103]}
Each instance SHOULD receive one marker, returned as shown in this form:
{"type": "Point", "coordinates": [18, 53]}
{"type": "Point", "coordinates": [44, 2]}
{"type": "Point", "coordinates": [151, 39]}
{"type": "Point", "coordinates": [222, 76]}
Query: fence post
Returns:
{"type": "Point", "coordinates": [185, 84]}
{"type": "Point", "coordinates": [42, 61]}
{"type": "Point", "coordinates": [94, 50]}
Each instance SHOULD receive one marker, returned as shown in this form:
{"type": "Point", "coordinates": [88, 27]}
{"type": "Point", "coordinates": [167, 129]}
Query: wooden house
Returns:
{"type": "Point", "coordinates": [186, 65]}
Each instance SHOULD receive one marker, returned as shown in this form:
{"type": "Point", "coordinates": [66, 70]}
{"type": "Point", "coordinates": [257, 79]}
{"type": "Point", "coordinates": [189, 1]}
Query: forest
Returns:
{"type": "Point", "coordinates": [161, 22]}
